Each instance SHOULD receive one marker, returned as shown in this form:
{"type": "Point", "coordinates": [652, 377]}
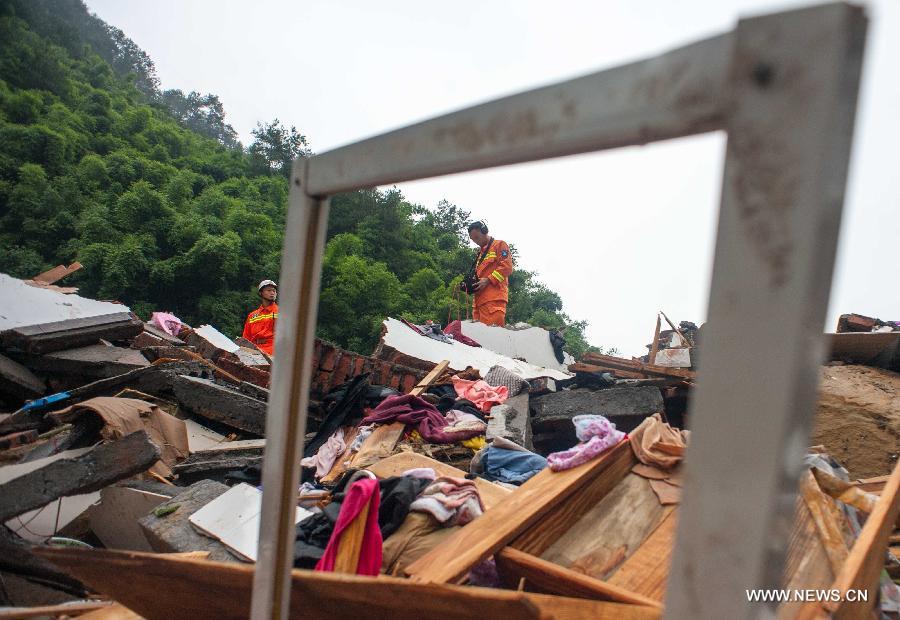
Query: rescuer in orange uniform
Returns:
{"type": "Point", "coordinates": [492, 268]}
{"type": "Point", "coordinates": [260, 326]}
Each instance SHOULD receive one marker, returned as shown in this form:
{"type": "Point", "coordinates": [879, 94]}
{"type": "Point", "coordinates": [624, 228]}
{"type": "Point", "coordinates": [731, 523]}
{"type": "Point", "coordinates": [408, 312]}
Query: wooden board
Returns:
{"type": "Point", "coordinates": [821, 509]}
{"type": "Point", "coordinates": [532, 502]}
{"type": "Point", "coordinates": [866, 559]}
{"type": "Point", "coordinates": [543, 576]}
{"type": "Point", "coordinates": [611, 531]}
{"type": "Point", "coordinates": [564, 515]}
{"type": "Point", "coordinates": [491, 494]}
{"type": "Point", "coordinates": [646, 572]}
{"type": "Point", "coordinates": [201, 590]}
{"type": "Point", "coordinates": [806, 563]}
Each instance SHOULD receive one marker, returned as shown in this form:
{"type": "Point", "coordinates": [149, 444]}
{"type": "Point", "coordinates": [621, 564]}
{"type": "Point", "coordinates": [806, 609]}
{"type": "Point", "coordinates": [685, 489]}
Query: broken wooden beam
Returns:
{"type": "Point", "coordinates": [215, 402]}
{"type": "Point", "coordinates": [549, 578]}
{"type": "Point", "coordinates": [18, 381]}
{"type": "Point", "coordinates": [92, 471]}
{"type": "Point", "coordinates": [214, 464]}
{"type": "Point", "coordinates": [59, 335]}
{"type": "Point", "coordinates": [611, 363]}
{"type": "Point", "coordinates": [227, 589]}
{"type": "Point", "coordinates": [93, 361]}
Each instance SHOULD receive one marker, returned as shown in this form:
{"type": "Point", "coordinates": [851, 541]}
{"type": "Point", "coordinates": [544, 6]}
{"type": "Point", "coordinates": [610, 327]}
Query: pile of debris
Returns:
{"type": "Point", "coordinates": [469, 454]}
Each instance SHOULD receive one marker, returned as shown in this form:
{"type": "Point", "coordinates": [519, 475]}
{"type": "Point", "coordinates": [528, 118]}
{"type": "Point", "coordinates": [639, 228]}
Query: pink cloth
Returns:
{"type": "Point", "coordinates": [454, 328]}
{"type": "Point", "coordinates": [361, 492]}
{"type": "Point", "coordinates": [479, 392]}
{"type": "Point", "coordinates": [167, 322]}
{"type": "Point", "coordinates": [328, 453]}
{"type": "Point", "coordinates": [597, 435]}
{"type": "Point", "coordinates": [413, 410]}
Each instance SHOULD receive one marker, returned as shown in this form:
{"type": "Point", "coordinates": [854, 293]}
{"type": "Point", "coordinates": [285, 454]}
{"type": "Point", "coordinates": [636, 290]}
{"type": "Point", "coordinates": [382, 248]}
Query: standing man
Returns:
{"type": "Point", "coordinates": [260, 326]}
{"type": "Point", "coordinates": [492, 268]}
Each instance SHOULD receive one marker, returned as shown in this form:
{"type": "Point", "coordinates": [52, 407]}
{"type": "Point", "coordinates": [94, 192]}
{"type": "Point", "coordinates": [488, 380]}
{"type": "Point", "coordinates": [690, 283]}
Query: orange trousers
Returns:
{"type": "Point", "coordinates": [490, 313]}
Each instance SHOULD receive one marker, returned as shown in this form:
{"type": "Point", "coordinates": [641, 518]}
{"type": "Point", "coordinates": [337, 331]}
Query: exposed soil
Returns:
{"type": "Point", "coordinates": [858, 418]}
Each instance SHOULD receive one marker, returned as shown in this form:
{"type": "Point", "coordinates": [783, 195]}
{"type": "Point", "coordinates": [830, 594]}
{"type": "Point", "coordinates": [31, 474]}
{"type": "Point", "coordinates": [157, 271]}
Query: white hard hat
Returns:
{"type": "Point", "coordinates": [265, 283]}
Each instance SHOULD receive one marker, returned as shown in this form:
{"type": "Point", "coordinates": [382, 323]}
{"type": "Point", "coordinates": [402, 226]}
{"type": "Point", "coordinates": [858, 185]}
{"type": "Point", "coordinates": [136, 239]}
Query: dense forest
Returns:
{"type": "Point", "coordinates": [153, 192]}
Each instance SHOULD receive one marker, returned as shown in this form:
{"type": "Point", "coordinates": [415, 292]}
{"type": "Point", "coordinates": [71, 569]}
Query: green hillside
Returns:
{"type": "Point", "coordinates": [152, 191]}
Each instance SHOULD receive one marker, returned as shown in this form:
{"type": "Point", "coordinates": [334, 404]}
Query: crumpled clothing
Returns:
{"type": "Point", "coordinates": [597, 435]}
{"type": "Point", "coordinates": [481, 393]}
{"type": "Point", "coordinates": [360, 494]}
{"type": "Point", "coordinates": [397, 495]}
{"type": "Point", "coordinates": [362, 434]}
{"type": "Point", "coordinates": [452, 501]}
{"type": "Point", "coordinates": [410, 409]}
{"type": "Point", "coordinates": [513, 465]}
{"type": "Point", "coordinates": [426, 473]}
{"type": "Point", "coordinates": [498, 375]}
{"type": "Point", "coordinates": [418, 535]}
{"type": "Point", "coordinates": [167, 322]}
{"type": "Point", "coordinates": [461, 421]}
{"type": "Point", "coordinates": [655, 442]}
{"type": "Point", "coordinates": [454, 328]}
{"type": "Point", "coordinates": [324, 459]}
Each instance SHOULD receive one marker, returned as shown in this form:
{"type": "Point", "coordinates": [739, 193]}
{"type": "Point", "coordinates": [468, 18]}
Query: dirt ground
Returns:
{"type": "Point", "coordinates": [858, 418]}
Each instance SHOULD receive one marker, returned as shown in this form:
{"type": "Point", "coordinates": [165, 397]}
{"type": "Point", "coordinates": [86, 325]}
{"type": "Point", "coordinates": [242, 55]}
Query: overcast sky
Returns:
{"type": "Point", "coordinates": [619, 235]}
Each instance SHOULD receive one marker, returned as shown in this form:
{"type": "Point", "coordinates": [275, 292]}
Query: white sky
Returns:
{"type": "Point", "coordinates": [618, 234]}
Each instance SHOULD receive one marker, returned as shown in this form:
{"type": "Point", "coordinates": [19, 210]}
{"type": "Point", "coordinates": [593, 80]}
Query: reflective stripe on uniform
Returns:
{"type": "Point", "coordinates": [497, 275]}
{"type": "Point", "coordinates": [261, 317]}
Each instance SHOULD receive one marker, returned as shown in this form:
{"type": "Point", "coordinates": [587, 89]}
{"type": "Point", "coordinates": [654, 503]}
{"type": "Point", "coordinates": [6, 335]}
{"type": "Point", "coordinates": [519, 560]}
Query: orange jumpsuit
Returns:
{"type": "Point", "coordinates": [489, 306]}
{"type": "Point", "coordinates": [260, 327]}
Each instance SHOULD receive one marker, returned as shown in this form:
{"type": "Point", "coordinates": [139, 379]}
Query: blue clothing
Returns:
{"type": "Point", "coordinates": [512, 466]}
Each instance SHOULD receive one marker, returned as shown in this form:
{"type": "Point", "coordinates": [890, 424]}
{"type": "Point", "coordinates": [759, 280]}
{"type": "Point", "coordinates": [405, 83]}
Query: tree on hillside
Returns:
{"type": "Point", "coordinates": [275, 147]}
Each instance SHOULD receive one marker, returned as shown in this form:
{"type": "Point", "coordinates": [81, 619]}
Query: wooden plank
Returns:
{"type": "Point", "coordinates": [72, 608]}
{"type": "Point", "coordinates": [451, 561]}
{"type": "Point", "coordinates": [58, 335]}
{"type": "Point", "coordinates": [654, 346]}
{"type": "Point", "coordinates": [114, 612]}
{"type": "Point", "coordinates": [380, 444]}
{"type": "Point", "coordinates": [823, 517]}
{"type": "Point", "coordinates": [610, 531]}
{"type": "Point", "coordinates": [866, 559]}
{"type": "Point", "coordinates": [646, 572]}
{"type": "Point", "coordinates": [609, 361]}
{"type": "Point", "coordinates": [547, 577]}
{"type": "Point", "coordinates": [564, 515]}
{"type": "Point", "coordinates": [430, 378]}
{"type": "Point", "coordinates": [491, 494]}
{"type": "Point", "coordinates": [226, 591]}
{"type": "Point", "coordinates": [92, 471]}
{"type": "Point", "coordinates": [201, 589]}
{"type": "Point", "coordinates": [54, 275]}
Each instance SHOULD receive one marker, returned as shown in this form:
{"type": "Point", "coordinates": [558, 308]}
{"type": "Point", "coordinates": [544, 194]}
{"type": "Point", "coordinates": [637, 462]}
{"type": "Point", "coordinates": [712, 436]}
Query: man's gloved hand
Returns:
{"type": "Point", "coordinates": [481, 284]}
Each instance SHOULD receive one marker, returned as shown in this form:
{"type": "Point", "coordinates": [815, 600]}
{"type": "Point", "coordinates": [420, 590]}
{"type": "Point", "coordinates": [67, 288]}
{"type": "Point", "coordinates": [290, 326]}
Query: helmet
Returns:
{"type": "Point", "coordinates": [264, 284]}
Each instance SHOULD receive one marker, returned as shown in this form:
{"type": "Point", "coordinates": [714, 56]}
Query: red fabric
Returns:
{"type": "Point", "coordinates": [260, 327]}
{"type": "Point", "coordinates": [413, 410]}
{"type": "Point", "coordinates": [454, 328]}
{"type": "Point", "coordinates": [361, 492]}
